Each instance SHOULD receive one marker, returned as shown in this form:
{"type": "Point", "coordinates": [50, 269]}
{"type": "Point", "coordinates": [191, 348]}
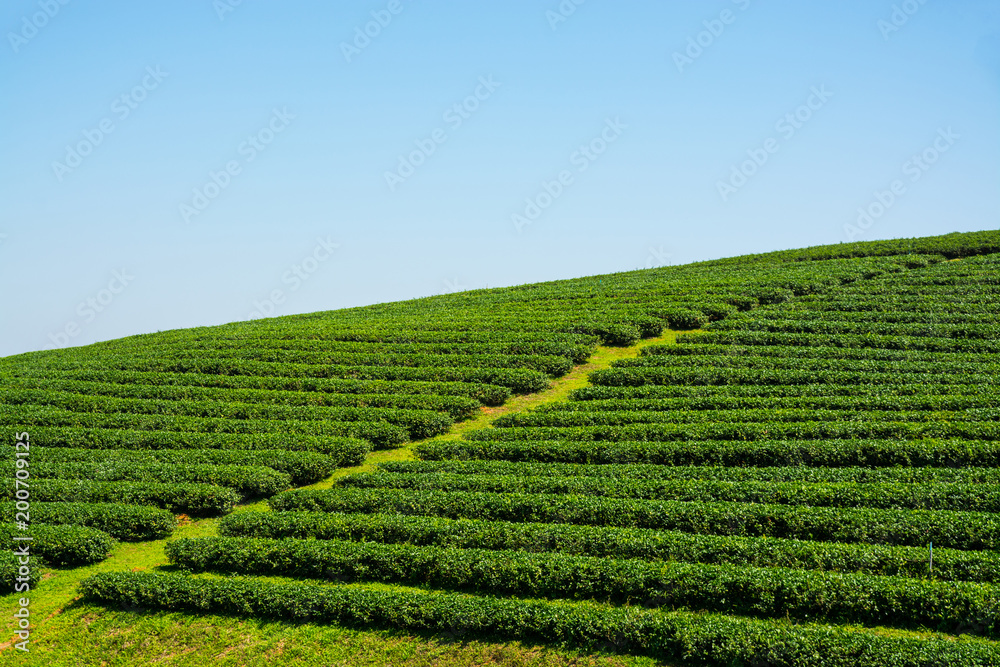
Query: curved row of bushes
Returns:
{"type": "Point", "coordinates": [955, 530]}
{"type": "Point", "coordinates": [694, 637]}
{"type": "Point", "coordinates": [615, 542]}
{"type": "Point", "coordinates": [129, 523]}
{"type": "Point", "coordinates": [834, 452]}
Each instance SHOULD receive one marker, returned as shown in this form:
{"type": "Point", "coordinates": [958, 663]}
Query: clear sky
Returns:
{"type": "Point", "coordinates": [195, 162]}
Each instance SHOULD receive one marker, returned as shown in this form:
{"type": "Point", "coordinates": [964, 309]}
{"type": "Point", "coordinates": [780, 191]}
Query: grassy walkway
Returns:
{"type": "Point", "coordinates": [557, 391]}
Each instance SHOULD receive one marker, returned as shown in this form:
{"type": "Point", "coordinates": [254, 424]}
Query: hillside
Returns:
{"type": "Point", "coordinates": [741, 461]}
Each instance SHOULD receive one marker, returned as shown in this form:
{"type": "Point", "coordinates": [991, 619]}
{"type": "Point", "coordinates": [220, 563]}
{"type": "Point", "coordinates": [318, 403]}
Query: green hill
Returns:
{"type": "Point", "coordinates": [762, 488]}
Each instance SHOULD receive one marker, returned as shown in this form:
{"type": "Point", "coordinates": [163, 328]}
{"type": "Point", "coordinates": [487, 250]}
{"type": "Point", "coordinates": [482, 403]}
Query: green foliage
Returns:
{"type": "Point", "coordinates": [761, 592]}
{"type": "Point", "coordinates": [710, 375]}
{"type": "Point", "coordinates": [885, 495]}
{"type": "Point", "coordinates": [302, 468]}
{"type": "Point", "coordinates": [702, 638]}
{"type": "Point", "coordinates": [740, 430]}
{"type": "Point", "coordinates": [181, 397]}
{"type": "Point", "coordinates": [831, 452]}
{"type": "Point", "coordinates": [252, 389]}
{"type": "Point", "coordinates": [685, 318]}
{"type": "Point", "coordinates": [956, 530]}
{"type": "Point", "coordinates": [380, 434]}
{"type": "Point", "coordinates": [348, 451]}
{"type": "Point", "coordinates": [789, 463]}
{"type": "Point", "coordinates": [419, 423]}
{"type": "Point", "coordinates": [190, 498]}
{"type": "Point", "coordinates": [129, 523]}
{"type": "Point", "coordinates": [846, 340]}
{"type": "Point", "coordinates": [10, 571]}
{"type": "Point", "coordinates": [614, 542]}
{"type": "Point", "coordinates": [644, 472]}
{"type": "Point", "coordinates": [250, 481]}
{"type": "Point", "coordinates": [626, 417]}
{"type": "Point", "coordinates": [61, 545]}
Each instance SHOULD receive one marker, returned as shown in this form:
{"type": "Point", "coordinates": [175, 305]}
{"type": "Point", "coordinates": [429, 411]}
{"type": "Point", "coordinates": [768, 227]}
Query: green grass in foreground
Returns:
{"type": "Point", "coordinates": [87, 635]}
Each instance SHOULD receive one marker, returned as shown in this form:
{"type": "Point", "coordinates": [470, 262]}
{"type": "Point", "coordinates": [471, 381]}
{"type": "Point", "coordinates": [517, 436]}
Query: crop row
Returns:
{"type": "Point", "coordinates": [638, 472]}
{"type": "Point", "coordinates": [884, 342]}
{"type": "Point", "coordinates": [748, 359]}
{"type": "Point", "coordinates": [614, 542]}
{"type": "Point", "coordinates": [760, 592]}
{"type": "Point", "coordinates": [60, 545]}
{"type": "Point", "coordinates": [380, 434]}
{"type": "Point", "coordinates": [372, 333]}
{"type": "Point", "coordinates": [346, 451]}
{"type": "Point", "coordinates": [302, 468]}
{"type": "Point", "coordinates": [810, 390]}
{"type": "Point", "coordinates": [874, 453]}
{"type": "Point", "coordinates": [752, 322]}
{"type": "Point", "coordinates": [487, 394]}
{"type": "Point", "coordinates": [552, 365]}
{"type": "Point", "coordinates": [711, 352]}
{"type": "Point", "coordinates": [191, 498]}
{"type": "Point", "coordinates": [856, 305]}
{"type": "Point", "coordinates": [520, 380]}
{"type": "Point", "coordinates": [418, 423]}
{"type": "Point", "coordinates": [805, 430]}
{"type": "Point", "coordinates": [882, 495]}
{"type": "Point", "coordinates": [952, 283]}
{"type": "Point", "coordinates": [695, 637]}
{"type": "Point", "coordinates": [557, 314]}
{"type": "Point", "coordinates": [577, 352]}
{"type": "Point", "coordinates": [129, 523]}
{"type": "Point", "coordinates": [11, 568]}
{"type": "Point", "coordinates": [954, 530]}
{"type": "Point", "coordinates": [458, 407]}
{"type": "Point", "coordinates": [250, 481]}
{"type": "Point", "coordinates": [988, 398]}
{"type": "Point", "coordinates": [539, 316]}
{"type": "Point", "coordinates": [624, 417]}
{"type": "Point", "coordinates": [829, 309]}
{"type": "Point", "coordinates": [633, 377]}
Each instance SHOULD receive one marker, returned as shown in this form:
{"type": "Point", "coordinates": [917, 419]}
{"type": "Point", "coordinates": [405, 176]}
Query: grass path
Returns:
{"type": "Point", "coordinates": [557, 391]}
{"type": "Point", "coordinates": [68, 632]}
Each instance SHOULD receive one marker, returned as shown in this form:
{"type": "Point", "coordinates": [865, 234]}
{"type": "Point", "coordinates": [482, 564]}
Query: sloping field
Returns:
{"type": "Point", "coordinates": [763, 491]}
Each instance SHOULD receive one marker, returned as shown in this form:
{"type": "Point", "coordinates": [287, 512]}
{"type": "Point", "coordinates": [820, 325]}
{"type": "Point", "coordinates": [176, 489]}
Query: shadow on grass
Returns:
{"type": "Point", "coordinates": [454, 636]}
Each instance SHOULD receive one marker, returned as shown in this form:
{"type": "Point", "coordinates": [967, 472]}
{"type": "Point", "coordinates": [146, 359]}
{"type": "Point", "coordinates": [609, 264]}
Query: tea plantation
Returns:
{"type": "Point", "coordinates": [809, 475]}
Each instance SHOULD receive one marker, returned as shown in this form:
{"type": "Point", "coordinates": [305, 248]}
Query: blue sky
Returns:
{"type": "Point", "coordinates": [173, 164]}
